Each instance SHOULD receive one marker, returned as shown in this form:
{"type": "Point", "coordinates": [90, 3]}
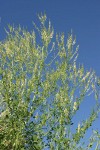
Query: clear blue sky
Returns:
{"type": "Point", "coordinates": [82, 16]}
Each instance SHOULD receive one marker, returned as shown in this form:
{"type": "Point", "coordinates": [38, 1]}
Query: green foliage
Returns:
{"type": "Point", "coordinates": [41, 89]}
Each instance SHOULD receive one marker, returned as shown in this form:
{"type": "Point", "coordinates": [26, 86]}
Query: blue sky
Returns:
{"type": "Point", "coordinates": [83, 17]}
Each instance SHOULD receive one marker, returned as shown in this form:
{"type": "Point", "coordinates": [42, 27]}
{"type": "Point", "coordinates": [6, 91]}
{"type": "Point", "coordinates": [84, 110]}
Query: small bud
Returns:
{"type": "Point", "coordinates": [79, 127]}
{"type": "Point", "coordinates": [75, 106]}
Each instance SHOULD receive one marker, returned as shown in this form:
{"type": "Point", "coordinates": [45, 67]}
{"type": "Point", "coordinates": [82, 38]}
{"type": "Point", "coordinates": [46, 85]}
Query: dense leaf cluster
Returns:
{"type": "Point", "coordinates": [41, 89]}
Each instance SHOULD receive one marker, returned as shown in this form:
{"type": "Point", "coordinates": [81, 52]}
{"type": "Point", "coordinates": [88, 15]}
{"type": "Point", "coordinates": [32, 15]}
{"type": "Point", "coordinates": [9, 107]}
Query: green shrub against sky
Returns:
{"type": "Point", "coordinates": [41, 90]}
